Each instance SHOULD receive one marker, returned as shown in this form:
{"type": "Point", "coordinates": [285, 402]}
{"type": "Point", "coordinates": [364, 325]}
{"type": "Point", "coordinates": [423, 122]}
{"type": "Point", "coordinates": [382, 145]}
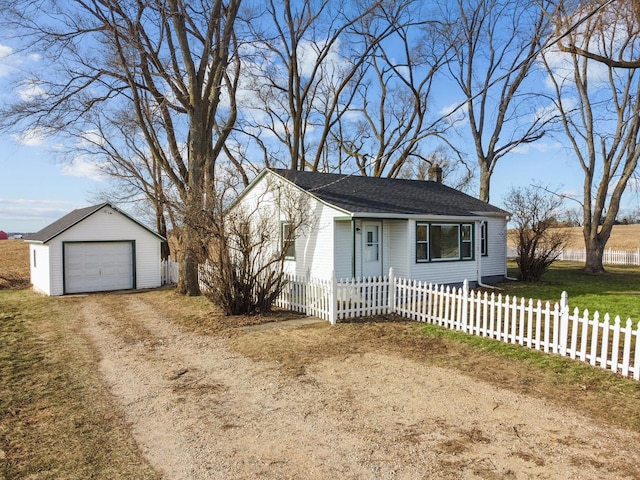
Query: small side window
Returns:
{"type": "Point", "coordinates": [288, 241]}
{"type": "Point", "coordinates": [466, 242]}
{"type": "Point", "coordinates": [34, 259]}
{"type": "Point", "coordinates": [484, 239]}
{"type": "Point", "coordinates": [422, 242]}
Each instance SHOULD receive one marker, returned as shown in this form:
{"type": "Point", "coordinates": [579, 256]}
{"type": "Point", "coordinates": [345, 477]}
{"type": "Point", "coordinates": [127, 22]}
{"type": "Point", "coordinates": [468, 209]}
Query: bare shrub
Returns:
{"type": "Point", "coordinates": [244, 267]}
{"type": "Point", "coordinates": [538, 242]}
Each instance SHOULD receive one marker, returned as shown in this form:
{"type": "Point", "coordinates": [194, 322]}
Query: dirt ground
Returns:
{"type": "Point", "coordinates": [201, 410]}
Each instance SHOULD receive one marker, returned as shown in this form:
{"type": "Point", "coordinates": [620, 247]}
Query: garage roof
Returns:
{"type": "Point", "coordinates": [73, 218]}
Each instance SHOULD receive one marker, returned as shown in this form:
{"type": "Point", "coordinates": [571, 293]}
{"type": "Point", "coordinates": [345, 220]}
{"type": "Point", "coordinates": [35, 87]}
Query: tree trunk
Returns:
{"type": "Point", "coordinates": [161, 226]}
{"type": "Point", "coordinates": [188, 263]}
{"type": "Point", "coordinates": [485, 183]}
{"type": "Point", "coordinates": [594, 249]}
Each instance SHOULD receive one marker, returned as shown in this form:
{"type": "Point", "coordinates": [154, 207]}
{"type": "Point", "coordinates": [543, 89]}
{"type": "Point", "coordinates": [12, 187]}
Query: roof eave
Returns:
{"type": "Point", "coordinates": [422, 216]}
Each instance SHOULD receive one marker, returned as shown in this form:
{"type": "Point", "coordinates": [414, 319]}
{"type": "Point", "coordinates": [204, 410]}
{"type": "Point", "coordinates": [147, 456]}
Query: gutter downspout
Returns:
{"type": "Point", "coordinates": [353, 248]}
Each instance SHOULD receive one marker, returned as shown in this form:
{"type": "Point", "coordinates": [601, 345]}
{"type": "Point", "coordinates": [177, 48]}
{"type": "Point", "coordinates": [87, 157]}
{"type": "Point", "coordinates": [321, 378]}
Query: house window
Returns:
{"type": "Point", "coordinates": [466, 244]}
{"type": "Point", "coordinates": [372, 249]}
{"type": "Point", "coordinates": [34, 259]}
{"type": "Point", "coordinates": [444, 241]}
{"type": "Point", "coordinates": [484, 237]}
{"type": "Point", "coordinates": [288, 241]}
{"type": "Point", "coordinates": [422, 243]}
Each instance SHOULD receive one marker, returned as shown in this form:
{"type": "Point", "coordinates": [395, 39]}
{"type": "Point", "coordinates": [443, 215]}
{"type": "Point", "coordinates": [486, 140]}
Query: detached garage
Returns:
{"type": "Point", "coordinates": [94, 249]}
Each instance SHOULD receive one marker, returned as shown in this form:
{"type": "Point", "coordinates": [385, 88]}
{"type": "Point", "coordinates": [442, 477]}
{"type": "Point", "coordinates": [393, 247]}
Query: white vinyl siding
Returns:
{"type": "Point", "coordinates": [40, 272]}
{"type": "Point", "coordinates": [494, 263]}
{"type": "Point", "coordinates": [314, 244]}
{"type": "Point", "coordinates": [396, 251]}
{"type": "Point", "coordinates": [315, 247]}
{"type": "Point", "coordinates": [343, 249]}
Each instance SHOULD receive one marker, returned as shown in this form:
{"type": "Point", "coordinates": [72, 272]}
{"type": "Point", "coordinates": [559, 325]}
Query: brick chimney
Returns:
{"type": "Point", "coordinates": [435, 173]}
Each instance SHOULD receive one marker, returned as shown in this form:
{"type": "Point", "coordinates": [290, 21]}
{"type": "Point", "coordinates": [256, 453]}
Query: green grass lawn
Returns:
{"type": "Point", "coordinates": [616, 292]}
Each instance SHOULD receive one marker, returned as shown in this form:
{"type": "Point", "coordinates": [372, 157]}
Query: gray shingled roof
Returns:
{"type": "Point", "coordinates": [357, 194]}
{"type": "Point", "coordinates": [70, 219]}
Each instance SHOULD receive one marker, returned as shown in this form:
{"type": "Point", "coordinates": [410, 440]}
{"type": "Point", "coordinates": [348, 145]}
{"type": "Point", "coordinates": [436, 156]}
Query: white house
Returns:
{"type": "Point", "coordinates": [92, 249]}
{"type": "Point", "coordinates": [362, 226]}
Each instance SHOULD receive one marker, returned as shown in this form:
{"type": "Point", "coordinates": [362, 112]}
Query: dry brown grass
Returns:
{"type": "Point", "coordinates": [623, 237]}
{"type": "Point", "coordinates": [598, 394]}
{"type": "Point", "coordinates": [14, 264]}
{"type": "Point", "coordinates": [57, 417]}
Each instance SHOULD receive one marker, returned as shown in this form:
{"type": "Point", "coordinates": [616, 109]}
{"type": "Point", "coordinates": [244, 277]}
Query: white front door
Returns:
{"type": "Point", "coordinates": [372, 249]}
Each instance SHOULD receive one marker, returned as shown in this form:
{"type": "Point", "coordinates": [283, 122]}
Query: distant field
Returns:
{"type": "Point", "coordinates": [14, 264]}
{"type": "Point", "coordinates": [623, 237]}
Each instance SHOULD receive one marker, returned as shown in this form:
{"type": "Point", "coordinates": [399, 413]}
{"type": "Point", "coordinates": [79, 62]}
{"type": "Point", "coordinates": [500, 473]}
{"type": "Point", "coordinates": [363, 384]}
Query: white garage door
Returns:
{"type": "Point", "coordinates": [98, 266]}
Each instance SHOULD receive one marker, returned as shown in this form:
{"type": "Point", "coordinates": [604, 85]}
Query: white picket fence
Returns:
{"type": "Point", "coordinates": [168, 272]}
{"type": "Point", "coordinates": [534, 324]}
{"type": "Point", "coordinates": [609, 257]}
{"type": "Point", "coordinates": [591, 338]}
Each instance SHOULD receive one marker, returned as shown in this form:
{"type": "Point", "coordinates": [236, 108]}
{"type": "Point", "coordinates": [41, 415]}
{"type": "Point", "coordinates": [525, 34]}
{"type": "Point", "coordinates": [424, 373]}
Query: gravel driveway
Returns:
{"type": "Point", "coordinates": [199, 410]}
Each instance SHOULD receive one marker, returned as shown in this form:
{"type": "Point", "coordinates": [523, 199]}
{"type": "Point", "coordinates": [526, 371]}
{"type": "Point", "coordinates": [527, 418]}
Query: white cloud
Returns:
{"type": "Point", "coordinates": [91, 137]}
{"type": "Point", "coordinates": [82, 167]}
{"type": "Point", "coordinates": [542, 147]}
{"type": "Point", "coordinates": [5, 60]}
{"type": "Point", "coordinates": [5, 51]}
{"type": "Point", "coordinates": [25, 214]}
{"type": "Point", "coordinates": [30, 91]}
{"type": "Point", "coordinates": [32, 137]}
{"type": "Point", "coordinates": [455, 114]}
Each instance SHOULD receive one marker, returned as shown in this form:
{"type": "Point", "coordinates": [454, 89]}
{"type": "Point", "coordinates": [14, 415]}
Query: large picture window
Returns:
{"type": "Point", "coordinates": [444, 241]}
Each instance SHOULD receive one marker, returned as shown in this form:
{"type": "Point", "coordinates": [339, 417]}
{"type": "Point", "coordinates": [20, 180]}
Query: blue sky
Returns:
{"type": "Point", "coordinates": [36, 189]}
{"type": "Point", "coordinates": [37, 186]}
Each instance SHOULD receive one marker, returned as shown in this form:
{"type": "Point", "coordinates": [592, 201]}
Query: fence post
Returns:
{"type": "Point", "coordinates": [308, 294]}
{"type": "Point", "coordinates": [464, 320]}
{"type": "Point", "coordinates": [564, 324]}
{"type": "Point", "coordinates": [333, 299]}
{"type": "Point", "coordinates": [391, 297]}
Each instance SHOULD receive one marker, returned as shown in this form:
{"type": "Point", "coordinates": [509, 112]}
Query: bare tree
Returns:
{"type": "Point", "coordinates": [569, 14]}
{"type": "Point", "coordinates": [389, 116]}
{"type": "Point", "coordinates": [318, 64]}
{"type": "Point", "coordinates": [304, 58]}
{"type": "Point", "coordinates": [115, 142]}
{"type": "Point", "coordinates": [418, 168]}
{"type": "Point", "coordinates": [534, 212]}
{"type": "Point", "coordinates": [495, 43]}
{"type": "Point", "coordinates": [170, 62]}
{"type": "Point", "coordinates": [599, 107]}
